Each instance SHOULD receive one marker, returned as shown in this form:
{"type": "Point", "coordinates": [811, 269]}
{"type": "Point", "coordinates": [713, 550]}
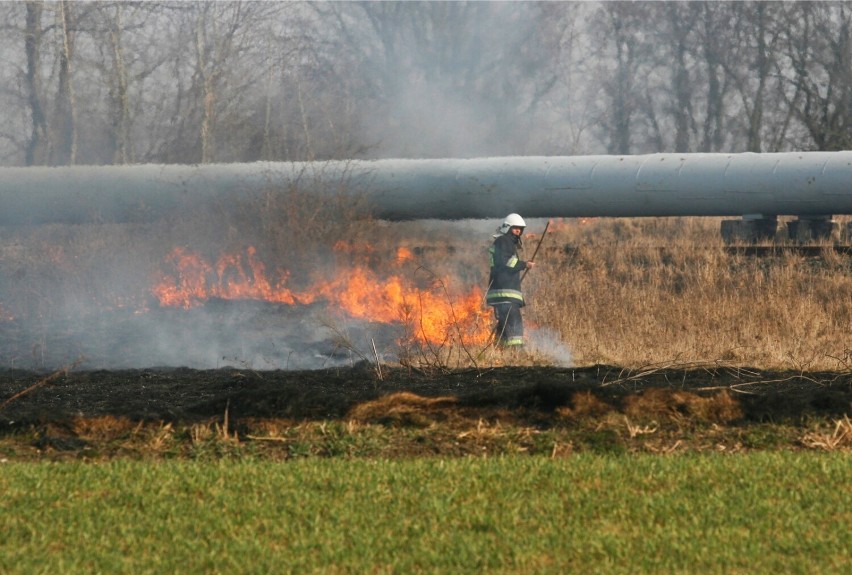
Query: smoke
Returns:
{"type": "Point", "coordinates": [546, 342]}
{"type": "Point", "coordinates": [427, 121]}
{"type": "Point", "coordinates": [263, 336]}
{"type": "Point", "coordinates": [92, 292]}
{"type": "Point", "coordinates": [246, 334]}
{"type": "Point", "coordinates": [457, 87]}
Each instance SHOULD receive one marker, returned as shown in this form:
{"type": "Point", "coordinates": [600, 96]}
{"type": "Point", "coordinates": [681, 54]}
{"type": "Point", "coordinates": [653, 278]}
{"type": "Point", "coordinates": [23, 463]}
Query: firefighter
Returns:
{"type": "Point", "coordinates": [504, 287]}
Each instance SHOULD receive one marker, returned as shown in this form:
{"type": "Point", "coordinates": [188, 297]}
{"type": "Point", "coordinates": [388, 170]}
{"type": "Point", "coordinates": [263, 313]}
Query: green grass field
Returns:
{"type": "Point", "coordinates": [768, 512]}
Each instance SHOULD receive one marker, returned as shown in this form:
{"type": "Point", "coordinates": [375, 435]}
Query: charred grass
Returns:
{"type": "Point", "coordinates": [350, 413]}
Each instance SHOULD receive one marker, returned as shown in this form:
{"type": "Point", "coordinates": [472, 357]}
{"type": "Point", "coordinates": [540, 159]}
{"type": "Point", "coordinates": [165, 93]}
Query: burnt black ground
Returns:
{"type": "Point", "coordinates": [186, 395]}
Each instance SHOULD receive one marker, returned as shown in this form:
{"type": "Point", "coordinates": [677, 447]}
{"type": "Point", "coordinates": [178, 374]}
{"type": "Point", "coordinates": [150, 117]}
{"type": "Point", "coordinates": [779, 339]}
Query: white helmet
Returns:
{"type": "Point", "coordinates": [512, 221]}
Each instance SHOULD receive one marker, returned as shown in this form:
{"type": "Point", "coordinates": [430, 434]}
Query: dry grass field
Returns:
{"type": "Point", "coordinates": [645, 335]}
{"type": "Point", "coordinates": [627, 292]}
{"type": "Point", "coordinates": [667, 291]}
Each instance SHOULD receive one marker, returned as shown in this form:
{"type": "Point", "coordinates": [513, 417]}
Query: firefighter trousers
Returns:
{"type": "Point", "coordinates": [510, 324]}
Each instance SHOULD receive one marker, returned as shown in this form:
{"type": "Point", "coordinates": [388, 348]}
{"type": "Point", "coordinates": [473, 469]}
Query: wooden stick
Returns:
{"type": "Point", "coordinates": [42, 382]}
{"type": "Point", "coordinates": [540, 240]}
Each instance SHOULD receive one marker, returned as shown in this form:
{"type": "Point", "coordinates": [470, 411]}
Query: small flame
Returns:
{"type": "Point", "coordinates": [565, 224]}
{"type": "Point", "coordinates": [403, 255]}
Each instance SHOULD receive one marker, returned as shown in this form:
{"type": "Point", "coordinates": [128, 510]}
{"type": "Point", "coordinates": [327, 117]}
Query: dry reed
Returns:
{"type": "Point", "coordinates": [639, 292]}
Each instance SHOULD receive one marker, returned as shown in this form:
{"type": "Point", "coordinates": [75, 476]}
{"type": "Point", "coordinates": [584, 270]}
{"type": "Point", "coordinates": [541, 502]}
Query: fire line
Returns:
{"type": "Point", "coordinates": [432, 316]}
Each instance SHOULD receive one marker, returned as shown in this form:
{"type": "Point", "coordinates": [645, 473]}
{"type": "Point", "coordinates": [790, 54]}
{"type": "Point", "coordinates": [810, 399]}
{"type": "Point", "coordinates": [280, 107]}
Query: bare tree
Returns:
{"type": "Point", "coordinates": [681, 18]}
{"type": "Point", "coordinates": [65, 124]}
{"type": "Point", "coordinates": [751, 64]}
{"type": "Point", "coordinates": [563, 101]}
{"type": "Point", "coordinates": [50, 53]}
{"type": "Point", "coordinates": [120, 114]}
{"type": "Point", "coordinates": [238, 80]}
{"type": "Point", "coordinates": [617, 35]}
{"type": "Point", "coordinates": [688, 91]}
{"type": "Point", "coordinates": [820, 53]}
{"type": "Point", "coordinates": [714, 21]}
{"type": "Point", "coordinates": [38, 148]}
{"type": "Point", "coordinates": [445, 78]}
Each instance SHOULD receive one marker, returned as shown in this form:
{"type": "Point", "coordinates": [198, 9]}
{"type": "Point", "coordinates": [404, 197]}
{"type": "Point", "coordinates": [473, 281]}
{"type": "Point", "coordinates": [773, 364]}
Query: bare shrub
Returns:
{"type": "Point", "coordinates": [290, 228]}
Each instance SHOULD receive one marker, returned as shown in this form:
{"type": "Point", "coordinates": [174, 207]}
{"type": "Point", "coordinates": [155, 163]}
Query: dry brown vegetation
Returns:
{"type": "Point", "coordinates": [639, 292]}
{"type": "Point", "coordinates": [676, 341]}
{"type": "Point", "coordinates": [628, 292]}
{"type": "Point", "coordinates": [667, 292]}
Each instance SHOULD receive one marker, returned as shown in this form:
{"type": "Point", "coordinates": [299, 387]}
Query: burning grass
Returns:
{"type": "Point", "coordinates": [624, 292]}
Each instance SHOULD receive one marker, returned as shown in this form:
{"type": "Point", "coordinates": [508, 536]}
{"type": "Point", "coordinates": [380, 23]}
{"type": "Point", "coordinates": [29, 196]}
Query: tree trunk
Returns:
{"type": "Point", "coordinates": [65, 152]}
{"type": "Point", "coordinates": [122, 151]}
{"type": "Point", "coordinates": [208, 93]}
{"type": "Point", "coordinates": [682, 112]}
{"type": "Point", "coordinates": [714, 120]}
{"type": "Point", "coordinates": [38, 148]}
{"type": "Point", "coordinates": [755, 117]}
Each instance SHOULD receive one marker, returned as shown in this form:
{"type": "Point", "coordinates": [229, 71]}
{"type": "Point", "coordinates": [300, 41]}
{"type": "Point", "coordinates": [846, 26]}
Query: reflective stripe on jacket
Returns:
{"type": "Point", "coordinates": [505, 277]}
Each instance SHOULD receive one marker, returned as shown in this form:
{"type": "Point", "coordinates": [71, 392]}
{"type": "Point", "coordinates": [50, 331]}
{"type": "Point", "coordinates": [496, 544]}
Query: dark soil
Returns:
{"type": "Point", "coordinates": [412, 412]}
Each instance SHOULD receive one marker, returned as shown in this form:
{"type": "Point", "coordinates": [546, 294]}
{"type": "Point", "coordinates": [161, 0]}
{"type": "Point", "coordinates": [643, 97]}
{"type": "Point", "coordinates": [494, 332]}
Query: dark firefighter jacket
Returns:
{"type": "Point", "coordinates": [505, 278]}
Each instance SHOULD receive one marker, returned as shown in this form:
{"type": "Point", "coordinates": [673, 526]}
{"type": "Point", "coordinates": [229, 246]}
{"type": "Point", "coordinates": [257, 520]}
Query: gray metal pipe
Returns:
{"type": "Point", "coordinates": [800, 183]}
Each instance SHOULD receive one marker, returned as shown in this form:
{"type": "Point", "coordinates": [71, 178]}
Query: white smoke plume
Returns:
{"type": "Point", "coordinates": [546, 342]}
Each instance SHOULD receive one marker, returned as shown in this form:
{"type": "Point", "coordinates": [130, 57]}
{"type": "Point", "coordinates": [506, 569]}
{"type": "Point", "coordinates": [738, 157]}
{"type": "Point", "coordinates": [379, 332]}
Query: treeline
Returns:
{"type": "Point", "coordinates": [195, 82]}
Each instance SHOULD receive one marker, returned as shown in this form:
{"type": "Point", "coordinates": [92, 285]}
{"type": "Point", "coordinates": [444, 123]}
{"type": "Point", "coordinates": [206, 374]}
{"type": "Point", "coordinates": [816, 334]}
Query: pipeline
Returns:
{"type": "Point", "coordinates": [806, 184]}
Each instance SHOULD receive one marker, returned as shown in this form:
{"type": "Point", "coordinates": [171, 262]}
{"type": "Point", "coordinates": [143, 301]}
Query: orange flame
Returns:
{"type": "Point", "coordinates": [431, 315]}
{"type": "Point", "coordinates": [197, 281]}
{"type": "Point", "coordinates": [403, 255]}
